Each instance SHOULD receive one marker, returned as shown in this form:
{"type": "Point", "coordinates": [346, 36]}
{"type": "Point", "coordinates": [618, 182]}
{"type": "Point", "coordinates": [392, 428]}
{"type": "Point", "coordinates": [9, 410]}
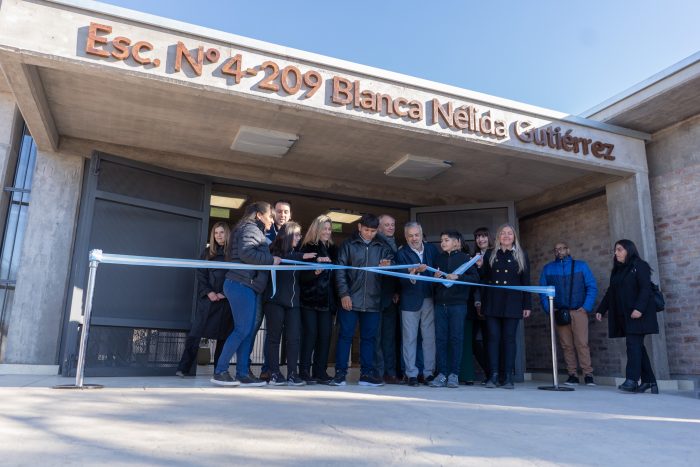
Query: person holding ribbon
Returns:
{"type": "Point", "coordinates": [451, 309]}
{"type": "Point", "coordinates": [318, 303]}
{"type": "Point", "coordinates": [242, 288]}
{"type": "Point", "coordinates": [505, 265]}
{"type": "Point", "coordinates": [360, 295]}
{"type": "Point", "coordinates": [281, 308]}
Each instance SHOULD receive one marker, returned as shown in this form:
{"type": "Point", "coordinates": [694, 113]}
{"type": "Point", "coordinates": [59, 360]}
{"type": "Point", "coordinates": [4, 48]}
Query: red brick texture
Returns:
{"type": "Point", "coordinates": [675, 203]}
{"type": "Point", "coordinates": [584, 226]}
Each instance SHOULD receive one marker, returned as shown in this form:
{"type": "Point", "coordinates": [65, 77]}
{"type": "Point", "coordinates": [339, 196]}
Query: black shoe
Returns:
{"type": "Point", "coordinates": [428, 379]}
{"type": "Point", "coordinates": [421, 379]}
{"type": "Point", "coordinates": [247, 381]}
{"type": "Point", "coordinates": [323, 379]}
{"type": "Point", "coordinates": [413, 381]}
{"type": "Point", "coordinates": [370, 380]}
{"type": "Point", "coordinates": [493, 381]}
{"type": "Point", "coordinates": [485, 381]}
{"type": "Point", "coordinates": [588, 380]}
{"type": "Point", "coordinates": [295, 380]}
{"type": "Point", "coordinates": [644, 387]}
{"type": "Point", "coordinates": [572, 381]}
{"type": "Point", "coordinates": [467, 383]}
{"type": "Point", "coordinates": [338, 380]}
{"type": "Point", "coordinates": [276, 379]}
{"type": "Point", "coordinates": [224, 379]}
{"type": "Point", "coordinates": [307, 378]}
{"type": "Point", "coordinates": [628, 386]}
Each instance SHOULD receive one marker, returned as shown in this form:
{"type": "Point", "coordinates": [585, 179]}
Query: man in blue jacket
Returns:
{"type": "Point", "coordinates": [576, 292]}
{"type": "Point", "coordinates": [417, 303]}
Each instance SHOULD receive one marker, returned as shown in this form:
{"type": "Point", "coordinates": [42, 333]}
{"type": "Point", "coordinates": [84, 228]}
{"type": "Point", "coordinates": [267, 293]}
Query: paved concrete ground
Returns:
{"type": "Point", "coordinates": [172, 421]}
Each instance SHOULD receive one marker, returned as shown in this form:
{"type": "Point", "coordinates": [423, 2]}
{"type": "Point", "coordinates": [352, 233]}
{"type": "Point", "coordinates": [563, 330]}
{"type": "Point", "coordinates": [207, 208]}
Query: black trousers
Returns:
{"type": "Point", "coordinates": [279, 317]}
{"type": "Point", "coordinates": [480, 347]}
{"type": "Point", "coordinates": [502, 332]}
{"type": "Point", "coordinates": [189, 355]}
{"type": "Point", "coordinates": [317, 328]}
{"type": "Point", "coordinates": [638, 363]}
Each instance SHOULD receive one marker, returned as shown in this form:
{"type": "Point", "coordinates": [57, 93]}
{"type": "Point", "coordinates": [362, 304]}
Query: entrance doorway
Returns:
{"type": "Point", "coordinates": [466, 218]}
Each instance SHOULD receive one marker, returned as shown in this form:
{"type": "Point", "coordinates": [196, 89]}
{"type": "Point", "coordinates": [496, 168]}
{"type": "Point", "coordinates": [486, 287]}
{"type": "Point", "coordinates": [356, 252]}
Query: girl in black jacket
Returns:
{"type": "Point", "coordinates": [282, 309]}
{"type": "Point", "coordinates": [506, 264]}
{"type": "Point", "coordinates": [629, 298]}
{"type": "Point", "coordinates": [213, 317]}
{"type": "Point", "coordinates": [317, 303]}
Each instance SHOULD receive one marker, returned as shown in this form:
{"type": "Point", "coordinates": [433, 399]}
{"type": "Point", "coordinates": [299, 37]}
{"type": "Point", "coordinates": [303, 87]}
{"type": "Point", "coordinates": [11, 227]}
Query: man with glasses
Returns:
{"type": "Point", "coordinates": [576, 292]}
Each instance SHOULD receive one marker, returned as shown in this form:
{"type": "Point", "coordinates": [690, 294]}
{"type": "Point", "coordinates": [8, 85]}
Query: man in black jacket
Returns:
{"type": "Point", "coordinates": [385, 360]}
{"type": "Point", "coordinates": [360, 295]}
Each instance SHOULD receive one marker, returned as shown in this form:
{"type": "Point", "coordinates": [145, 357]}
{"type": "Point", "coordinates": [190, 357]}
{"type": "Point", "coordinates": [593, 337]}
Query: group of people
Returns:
{"type": "Point", "coordinates": [412, 331]}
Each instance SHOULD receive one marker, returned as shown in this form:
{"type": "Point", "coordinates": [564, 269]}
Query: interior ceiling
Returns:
{"type": "Point", "coordinates": [150, 116]}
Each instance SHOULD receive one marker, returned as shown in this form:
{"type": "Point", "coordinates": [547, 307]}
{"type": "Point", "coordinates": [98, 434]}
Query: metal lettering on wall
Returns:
{"type": "Point", "coordinates": [291, 80]}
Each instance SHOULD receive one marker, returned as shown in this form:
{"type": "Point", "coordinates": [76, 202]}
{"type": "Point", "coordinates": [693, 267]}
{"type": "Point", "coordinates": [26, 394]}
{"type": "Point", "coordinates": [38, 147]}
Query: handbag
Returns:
{"type": "Point", "coordinates": [659, 299]}
{"type": "Point", "coordinates": [562, 316]}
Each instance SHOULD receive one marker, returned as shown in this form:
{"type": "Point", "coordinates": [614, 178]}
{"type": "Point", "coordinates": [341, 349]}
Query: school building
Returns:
{"type": "Point", "coordinates": [133, 133]}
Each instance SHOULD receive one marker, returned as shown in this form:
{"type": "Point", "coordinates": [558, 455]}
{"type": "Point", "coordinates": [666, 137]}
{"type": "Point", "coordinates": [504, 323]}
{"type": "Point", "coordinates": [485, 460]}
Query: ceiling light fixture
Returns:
{"type": "Point", "coordinates": [226, 201]}
{"type": "Point", "coordinates": [417, 167]}
{"type": "Point", "coordinates": [343, 216]}
{"type": "Point", "coordinates": [263, 142]}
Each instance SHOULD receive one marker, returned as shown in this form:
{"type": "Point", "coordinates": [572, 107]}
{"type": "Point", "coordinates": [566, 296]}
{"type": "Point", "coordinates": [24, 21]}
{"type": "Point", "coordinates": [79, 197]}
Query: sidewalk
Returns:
{"type": "Point", "coordinates": [173, 421]}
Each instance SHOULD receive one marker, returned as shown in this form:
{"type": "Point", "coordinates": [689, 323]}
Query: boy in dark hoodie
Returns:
{"type": "Point", "coordinates": [451, 309]}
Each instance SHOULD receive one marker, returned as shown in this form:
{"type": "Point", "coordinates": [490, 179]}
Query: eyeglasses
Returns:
{"type": "Point", "coordinates": [561, 248]}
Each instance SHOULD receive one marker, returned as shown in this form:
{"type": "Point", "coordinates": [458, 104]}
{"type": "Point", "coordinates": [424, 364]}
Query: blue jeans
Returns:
{"type": "Point", "coordinates": [449, 336]}
{"type": "Point", "coordinates": [369, 322]}
{"type": "Point", "coordinates": [242, 300]}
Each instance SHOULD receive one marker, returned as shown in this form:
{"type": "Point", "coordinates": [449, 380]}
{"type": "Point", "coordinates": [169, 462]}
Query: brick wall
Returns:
{"type": "Point", "coordinates": [584, 226]}
{"type": "Point", "coordinates": [675, 203]}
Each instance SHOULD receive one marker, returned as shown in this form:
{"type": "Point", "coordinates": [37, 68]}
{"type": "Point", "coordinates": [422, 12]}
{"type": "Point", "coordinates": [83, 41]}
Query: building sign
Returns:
{"type": "Point", "coordinates": [303, 83]}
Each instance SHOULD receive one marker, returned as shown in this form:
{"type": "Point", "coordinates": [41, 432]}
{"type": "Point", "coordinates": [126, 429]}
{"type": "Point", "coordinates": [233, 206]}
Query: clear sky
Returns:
{"type": "Point", "coordinates": [563, 55]}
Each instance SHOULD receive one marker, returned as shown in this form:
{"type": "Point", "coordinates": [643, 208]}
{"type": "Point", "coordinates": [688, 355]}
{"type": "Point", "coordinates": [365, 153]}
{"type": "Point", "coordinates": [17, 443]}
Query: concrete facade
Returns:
{"type": "Point", "coordinates": [37, 314]}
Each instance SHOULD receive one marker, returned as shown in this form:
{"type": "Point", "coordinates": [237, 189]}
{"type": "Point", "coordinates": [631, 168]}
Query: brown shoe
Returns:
{"type": "Point", "coordinates": [265, 376]}
{"type": "Point", "coordinates": [389, 379]}
{"type": "Point", "coordinates": [421, 379]}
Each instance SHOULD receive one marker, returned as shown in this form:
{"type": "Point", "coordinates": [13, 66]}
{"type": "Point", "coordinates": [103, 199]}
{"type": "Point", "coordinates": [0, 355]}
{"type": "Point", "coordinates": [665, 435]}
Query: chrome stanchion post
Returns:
{"type": "Point", "coordinates": [85, 328]}
{"type": "Point", "coordinates": [555, 377]}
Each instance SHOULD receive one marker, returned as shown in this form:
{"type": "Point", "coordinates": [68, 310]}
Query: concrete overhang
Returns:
{"type": "Point", "coordinates": [73, 99]}
{"type": "Point", "coordinates": [668, 97]}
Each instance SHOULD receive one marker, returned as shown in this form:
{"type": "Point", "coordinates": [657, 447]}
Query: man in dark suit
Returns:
{"type": "Point", "coordinates": [417, 303]}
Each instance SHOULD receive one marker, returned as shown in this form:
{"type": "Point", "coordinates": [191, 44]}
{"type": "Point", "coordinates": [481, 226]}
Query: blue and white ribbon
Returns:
{"type": "Point", "coordinates": [291, 265]}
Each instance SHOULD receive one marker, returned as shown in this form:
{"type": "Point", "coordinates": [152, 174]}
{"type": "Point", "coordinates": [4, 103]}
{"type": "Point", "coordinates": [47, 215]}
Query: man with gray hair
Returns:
{"type": "Point", "coordinates": [417, 303]}
{"type": "Point", "coordinates": [385, 352]}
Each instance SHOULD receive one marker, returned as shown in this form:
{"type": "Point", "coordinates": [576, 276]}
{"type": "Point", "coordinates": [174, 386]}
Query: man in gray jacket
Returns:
{"type": "Point", "coordinates": [360, 295]}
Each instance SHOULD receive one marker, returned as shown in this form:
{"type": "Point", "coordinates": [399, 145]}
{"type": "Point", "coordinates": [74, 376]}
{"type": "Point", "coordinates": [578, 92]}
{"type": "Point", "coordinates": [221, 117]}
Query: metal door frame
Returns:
{"type": "Point", "coordinates": [513, 220]}
{"type": "Point", "coordinates": [72, 311]}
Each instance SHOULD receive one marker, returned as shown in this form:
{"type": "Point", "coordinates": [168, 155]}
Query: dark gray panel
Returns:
{"type": "Point", "coordinates": [146, 185]}
{"type": "Point", "coordinates": [152, 296]}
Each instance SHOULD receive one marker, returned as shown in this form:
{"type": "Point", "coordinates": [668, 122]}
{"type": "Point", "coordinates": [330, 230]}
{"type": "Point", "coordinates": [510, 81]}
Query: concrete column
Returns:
{"type": "Point", "coordinates": [35, 323]}
{"type": "Point", "coordinates": [630, 216]}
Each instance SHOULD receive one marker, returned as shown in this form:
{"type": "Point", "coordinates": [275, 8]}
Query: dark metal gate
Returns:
{"type": "Point", "coordinates": [140, 314]}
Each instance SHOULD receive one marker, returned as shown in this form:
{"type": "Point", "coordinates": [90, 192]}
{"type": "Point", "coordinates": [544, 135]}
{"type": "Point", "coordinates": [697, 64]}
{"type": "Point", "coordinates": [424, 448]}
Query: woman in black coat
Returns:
{"type": "Point", "coordinates": [633, 314]}
{"type": "Point", "coordinates": [213, 317]}
{"type": "Point", "coordinates": [505, 264]}
{"type": "Point", "coordinates": [317, 303]}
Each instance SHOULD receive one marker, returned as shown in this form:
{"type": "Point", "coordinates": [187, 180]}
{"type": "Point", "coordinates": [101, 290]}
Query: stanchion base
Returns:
{"type": "Point", "coordinates": [556, 388]}
{"type": "Point", "coordinates": [73, 386]}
